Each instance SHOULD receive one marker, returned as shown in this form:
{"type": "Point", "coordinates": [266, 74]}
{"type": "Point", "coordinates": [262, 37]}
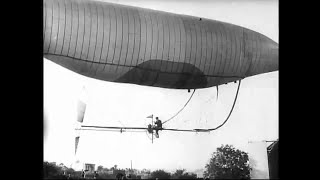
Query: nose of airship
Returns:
{"type": "Point", "coordinates": [273, 61]}
{"type": "Point", "coordinates": [267, 56]}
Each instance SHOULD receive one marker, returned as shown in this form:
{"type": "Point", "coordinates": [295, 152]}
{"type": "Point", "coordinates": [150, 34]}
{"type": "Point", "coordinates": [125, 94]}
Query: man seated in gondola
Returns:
{"type": "Point", "coordinates": [158, 126]}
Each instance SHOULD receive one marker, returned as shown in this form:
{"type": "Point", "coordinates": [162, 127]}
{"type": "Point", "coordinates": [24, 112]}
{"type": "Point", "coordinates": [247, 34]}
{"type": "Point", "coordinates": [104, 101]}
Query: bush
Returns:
{"type": "Point", "coordinates": [160, 174]}
{"type": "Point", "coordinates": [181, 174]}
{"type": "Point", "coordinates": [51, 171]}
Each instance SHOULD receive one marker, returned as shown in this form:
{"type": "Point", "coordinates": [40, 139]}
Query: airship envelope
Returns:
{"type": "Point", "coordinates": [124, 44]}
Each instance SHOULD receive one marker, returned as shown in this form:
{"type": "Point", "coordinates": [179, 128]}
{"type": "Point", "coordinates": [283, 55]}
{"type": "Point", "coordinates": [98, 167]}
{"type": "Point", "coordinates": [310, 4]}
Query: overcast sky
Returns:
{"type": "Point", "coordinates": [254, 118]}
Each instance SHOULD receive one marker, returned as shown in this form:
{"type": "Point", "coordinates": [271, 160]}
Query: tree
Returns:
{"type": "Point", "coordinates": [63, 167]}
{"type": "Point", "coordinates": [178, 173]}
{"type": "Point", "coordinates": [50, 170]}
{"type": "Point", "coordinates": [181, 174]}
{"type": "Point", "coordinates": [99, 168]}
{"type": "Point", "coordinates": [103, 173]}
{"type": "Point", "coordinates": [160, 174]}
{"type": "Point", "coordinates": [114, 167]}
{"type": "Point", "coordinates": [70, 171]}
{"type": "Point", "coordinates": [228, 163]}
{"type": "Point", "coordinates": [188, 176]}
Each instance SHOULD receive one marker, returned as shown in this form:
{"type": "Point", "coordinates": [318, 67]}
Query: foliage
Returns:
{"type": "Point", "coordinates": [70, 171]}
{"type": "Point", "coordinates": [228, 163]}
{"type": "Point", "coordinates": [52, 171]}
{"type": "Point", "coordinates": [100, 168]}
{"type": "Point", "coordinates": [181, 174]}
{"type": "Point", "coordinates": [105, 176]}
{"type": "Point", "coordinates": [160, 174]}
{"type": "Point", "coordinates": [178, 173]}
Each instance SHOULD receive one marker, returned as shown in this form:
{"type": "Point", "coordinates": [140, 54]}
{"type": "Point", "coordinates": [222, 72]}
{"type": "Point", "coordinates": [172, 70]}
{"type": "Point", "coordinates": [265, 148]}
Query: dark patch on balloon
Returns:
{"type": "Point", "coordinates": [152, 73]}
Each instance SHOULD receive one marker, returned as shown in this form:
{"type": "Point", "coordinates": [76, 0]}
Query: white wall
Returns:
{"type": "Point", "coordinates": [258, 159]}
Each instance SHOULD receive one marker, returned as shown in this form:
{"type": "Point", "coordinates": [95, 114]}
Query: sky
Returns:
{"type": "Point", "coordinates": [254, 118]}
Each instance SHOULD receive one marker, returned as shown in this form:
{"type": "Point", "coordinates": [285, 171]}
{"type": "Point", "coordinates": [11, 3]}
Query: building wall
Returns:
{"type": "Point", "coordinates": [89, 167]}
{"type": "Point", "coordinates": [258, 159]}
{"type": "Point", "coordinates": [273, 159]}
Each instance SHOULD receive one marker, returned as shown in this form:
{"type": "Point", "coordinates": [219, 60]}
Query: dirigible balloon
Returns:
{"type": "Point", "coordinates": [124, 44]}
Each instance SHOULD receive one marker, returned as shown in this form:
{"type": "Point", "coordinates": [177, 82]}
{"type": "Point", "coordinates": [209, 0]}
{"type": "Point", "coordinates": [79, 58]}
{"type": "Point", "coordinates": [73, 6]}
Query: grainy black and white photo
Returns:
{"type": "Point", "coordinates": [161, 89]}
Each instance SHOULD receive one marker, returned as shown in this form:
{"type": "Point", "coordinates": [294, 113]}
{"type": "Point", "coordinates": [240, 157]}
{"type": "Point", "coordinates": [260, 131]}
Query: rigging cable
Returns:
{"type": "Point", "coordinates": [197, 130]}
{"type": "Point", "coordinates": [234, 102]}
{"type": "Point", "coordinates": [217, 92]}
{"type": "Point", "coordinates": [181, 108]}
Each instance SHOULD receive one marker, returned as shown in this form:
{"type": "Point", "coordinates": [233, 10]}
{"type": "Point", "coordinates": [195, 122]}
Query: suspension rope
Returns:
{"type": "Point", "coordinates": [181, 108]}
{"type": "Point", "coordinates": [234, 102]}
{"type": "Point", "coordinates": [202, 130]}
{"type": "Point", "coordinates": [217, 92]}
